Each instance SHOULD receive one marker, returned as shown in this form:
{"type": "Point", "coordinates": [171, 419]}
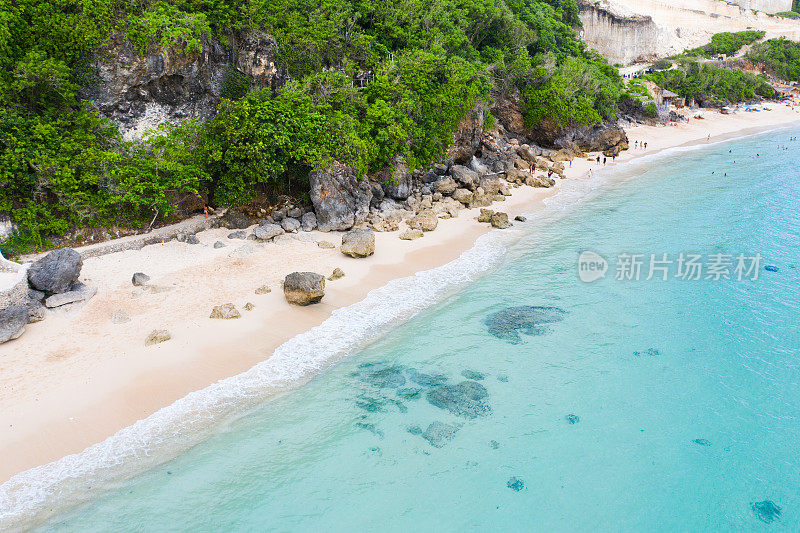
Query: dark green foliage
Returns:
{"type": "Point", "coordinates": [428, 62]}
{"type": "Point", "coordinates": [781, 55]}
{"type": "Point", "coordinates": [703, 81]}
{"type": "Point", "coordinates": [727, 43]}
{"type": "Point", "coordinates": [662, 64]}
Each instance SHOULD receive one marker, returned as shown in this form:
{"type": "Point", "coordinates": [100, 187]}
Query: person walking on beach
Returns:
{"type": "Point", "coordinates": [645, 146]}
{"type": "Point", "coordinates": [604, 161]}
{"type": "Point", "coordinates": [708, 139]}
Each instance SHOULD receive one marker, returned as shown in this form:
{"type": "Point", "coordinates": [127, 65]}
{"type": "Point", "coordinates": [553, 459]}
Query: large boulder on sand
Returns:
{"type": "Point", "coordinates": [12, 322]}
{"type": "Point", "coordinates": [425, 221]}
{"type": "Point", "coordinates": [56, 272]}
{"type": "Point", "coordinates": [304, 288]}
{"type": "Point", "coordinates": [266, 231]}
{"type": "Point", "coordinates": [340, 199]}
{"type": "Point", "coordinates": [358, 243]}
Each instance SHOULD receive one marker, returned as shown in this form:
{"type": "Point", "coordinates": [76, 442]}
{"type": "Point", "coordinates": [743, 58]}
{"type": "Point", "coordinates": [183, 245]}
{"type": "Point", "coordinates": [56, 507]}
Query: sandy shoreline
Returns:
{"type": "Point", "coordinates": [74, 380]}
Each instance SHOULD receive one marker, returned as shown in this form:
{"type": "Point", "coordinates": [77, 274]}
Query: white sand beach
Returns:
{"type": "Point", "coordinates": [74, 379]}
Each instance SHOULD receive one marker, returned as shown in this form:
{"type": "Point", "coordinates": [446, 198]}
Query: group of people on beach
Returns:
{"type": "Point", "coordinates": [640, 144]}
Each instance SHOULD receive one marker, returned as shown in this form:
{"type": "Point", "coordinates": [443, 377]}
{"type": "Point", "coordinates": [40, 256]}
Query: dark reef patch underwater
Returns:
{"type": "Point", "coordinates": [508, 323]}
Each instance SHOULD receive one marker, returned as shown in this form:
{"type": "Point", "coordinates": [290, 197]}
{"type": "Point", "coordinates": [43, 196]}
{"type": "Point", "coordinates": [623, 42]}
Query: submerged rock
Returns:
{"type": "Point", "coordinates": [439, 433]}
{"type": "Point", "coordinates": [516, 484]}
{"type": "Point", "coordinates": [531, 320]}
{"type": "Point", "coordinates": [573, 419]}
{"type": "Point", "coordinates": [372, 428]}
{"type": "Point", "coordinates": [766, 511]}
{"type": "Point", "coordinates": [464, 399]}
{"type": "Point", "coordinates": [771, 268]}
{"type": "Point", "coordinates": [409, 393]}
{"type": "Point", "coordinates": [473, 375]}
{"type": "Point", "coordinates": [426, 380]}
{"type": "Point", "coordinates": [415, 430]}
{"type": "Point", "coordinates": [650, 352]}
{"type": "Point", "coordinates": [702, 442]}
{"type": "Point", "coordinates": [381, 375]}
{"type": "Point", "coordinates": [493, 444]}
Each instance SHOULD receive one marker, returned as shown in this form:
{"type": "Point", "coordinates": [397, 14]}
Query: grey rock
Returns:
{"type": "Point", "coordinates": [139, 279]}
{"type": "Point", "coordinates": [476, 165]}
{"type": "Point", "coordinates": [485, 216]}
{"type": "Point", "coordinates": [340, 199]}
{"type": "Point", "coordinates": [464, 176]}
{"type": "Point", "coordinates": [465, 196]}
{"type": "Point", "coordinates": [326, 245]}
{"type": "Point", "coordinates": [490, 185]}
{"type": "Point", "coordinates": [35, 295]}
{"type": "Point", "coordinates": [278, 215]}
{"type": "Point", "coordinates": [411, 234]}
{"type": "Point", "coordinates": [120, 316]}
{"type": "Point", "coordinates": [157, 336]}
{"type": "Point", "coordinates": [445, 186]}
{"type": "Point", "coordinates": [225, 312]}
{"type": "Point", "coordinates": [358, 243]}
{"type": "Point", "coordinates": [56, 272]}
{"type": "Point", "coordinates": [234, 219]}
{"type": "Point", "coordinates": [12, 322]}
{"type": "Point", "coordinates": [464, 400]}
{"type": "Point", "coordinates": [396, 179]}
{"type": "Point", "coordinates": [520, 218]}
{"type": "Point", "coordinates": [79, 293]}
{"type": "Point", "coordinates": [438, 433]}
{"type": "Point", "coordinates": [192, 239]}
{"type": "Point", "coordinates": [425, 221]}
{"type": "Point", "coordinates": [295, 212]}
{"type": "Point", "coordinates": [36, 310]}
{"type": "Point", "coordinates": [500, 221]}
{"type": "Point", "coordinates": [309, 221]}
{"type": "Point", "coordinates": [219, 244]}
{"type": "Point", "coordinates": [290, 225]}
{"type": "Point", "coordinates": [337, 273]}
{"type": "Point", "coordinates": [264, 232]}
{"type": "Point", "coordinates": [240, 234]}
{"type": "Point", "coordinates": [304, 288]}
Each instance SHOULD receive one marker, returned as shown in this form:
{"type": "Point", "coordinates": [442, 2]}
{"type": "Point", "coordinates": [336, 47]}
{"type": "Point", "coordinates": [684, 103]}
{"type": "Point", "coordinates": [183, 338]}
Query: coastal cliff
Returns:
{"type": "Point", "coordinates": [623, 39]}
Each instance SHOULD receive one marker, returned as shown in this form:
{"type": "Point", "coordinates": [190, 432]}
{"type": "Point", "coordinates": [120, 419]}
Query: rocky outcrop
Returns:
{"type": "Point", "coordinates": [396, 179]}
{"type": "Point", "coordinates": [599, 138]}
{"type": "Point", "coordinates": [340, 199]}
{"type": "Point", "coordinates": [304, 288]}
{"type": "Point", "coordinates": [621, 38]}
{"type": "Point", "coordinates": [78, 293]}
{"type": "Point", "coordinates": [467, 137]}
{"type": "Point", "coordinates": [138, 93]}
{"type": "Point", "coordinates": [358, 243]}
{"type": "Point", "coordinates": [157, 337]}
{"type": "Point", "coordinates": [56, 272]}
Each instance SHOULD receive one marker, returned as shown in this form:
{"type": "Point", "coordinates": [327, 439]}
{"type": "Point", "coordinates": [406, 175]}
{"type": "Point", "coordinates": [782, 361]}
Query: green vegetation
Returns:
{"type": "Point", "coordinates": [781, 56]}
{"type": "Point", "coordinates": [704, 82]}
{"type": "Point", "coordinates": [61, 165]}
{"type": "Point", "coordinates": [726, 43]}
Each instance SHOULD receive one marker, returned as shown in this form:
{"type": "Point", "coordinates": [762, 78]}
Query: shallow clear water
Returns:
{"type": "Point", "coordinates": [686, 394]}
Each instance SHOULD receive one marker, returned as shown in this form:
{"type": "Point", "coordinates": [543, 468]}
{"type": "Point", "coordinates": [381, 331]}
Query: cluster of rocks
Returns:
{"type": "Point", "coordinates": [48, 283]}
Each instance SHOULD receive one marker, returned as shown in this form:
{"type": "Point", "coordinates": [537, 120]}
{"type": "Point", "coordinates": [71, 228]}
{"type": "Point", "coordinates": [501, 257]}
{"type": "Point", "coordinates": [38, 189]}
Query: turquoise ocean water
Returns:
{"type": "Point", "coordinates": [528, 400]}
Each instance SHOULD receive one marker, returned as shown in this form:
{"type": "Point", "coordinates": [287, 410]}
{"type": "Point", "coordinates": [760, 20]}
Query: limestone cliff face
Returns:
{"type": "Point", "coordinates": [627, 31]}
{"type": "Point", "coordinates": [622, 39]}
{"type": "Point", "coordinates": [139, 93]}
{"type": "Point", "coordinates": [767, 6]}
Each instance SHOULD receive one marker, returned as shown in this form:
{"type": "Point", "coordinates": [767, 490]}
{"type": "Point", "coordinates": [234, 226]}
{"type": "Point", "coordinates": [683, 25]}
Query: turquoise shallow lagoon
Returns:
{"type": "Point", "coordinates": [684, 395]}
